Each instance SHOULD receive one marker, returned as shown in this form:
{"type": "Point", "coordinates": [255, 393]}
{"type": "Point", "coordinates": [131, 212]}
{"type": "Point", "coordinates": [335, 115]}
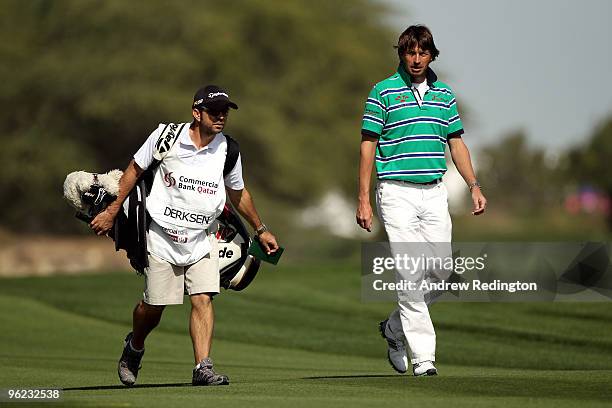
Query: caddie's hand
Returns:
{"type": "Point", "coordinates": [479, 200]}
{"type": "Point", "coordinates": [103, 222]}
{"type": "Point", "coordinates": [268, 242]}
{"type": "Point", "coordinates": [364, 215]}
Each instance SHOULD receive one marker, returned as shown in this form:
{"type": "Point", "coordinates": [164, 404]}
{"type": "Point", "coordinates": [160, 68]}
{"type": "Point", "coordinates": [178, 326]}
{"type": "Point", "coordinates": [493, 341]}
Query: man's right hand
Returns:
{"type": "Point", "coordinates": [103, 222]}
{"type": "Point", "coordinates": [367, 152]}
{"type": "Point", "coordinates": [364, 215]}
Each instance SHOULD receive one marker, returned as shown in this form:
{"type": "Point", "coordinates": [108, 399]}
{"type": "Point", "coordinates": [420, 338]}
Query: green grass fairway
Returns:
{"type": "Point", "coordinates": [299, 337]}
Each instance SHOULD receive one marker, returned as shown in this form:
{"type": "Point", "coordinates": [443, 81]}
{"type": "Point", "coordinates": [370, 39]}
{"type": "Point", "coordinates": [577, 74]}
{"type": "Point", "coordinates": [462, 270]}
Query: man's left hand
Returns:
{"type": "Point", "coordinates": [479, 200]}
{"type": "Point", "coordinates": [268, 242]}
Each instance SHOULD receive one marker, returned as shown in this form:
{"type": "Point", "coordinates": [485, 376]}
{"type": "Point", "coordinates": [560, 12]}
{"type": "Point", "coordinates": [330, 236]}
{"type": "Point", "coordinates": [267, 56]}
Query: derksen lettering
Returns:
{"type": "Point", "coordinates": [187, 216]}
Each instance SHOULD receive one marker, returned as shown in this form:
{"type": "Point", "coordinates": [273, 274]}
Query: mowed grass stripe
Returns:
{"type": "Point", "coordinates": [314, 317]}
{"type": "Point", "coordinates": [280, 348]}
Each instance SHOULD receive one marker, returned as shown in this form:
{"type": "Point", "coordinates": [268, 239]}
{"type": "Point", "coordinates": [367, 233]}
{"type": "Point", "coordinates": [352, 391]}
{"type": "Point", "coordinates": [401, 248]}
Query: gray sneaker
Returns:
{"type": "Point", "coordinates": [396, 351]}
{"type": "Point", "coordinates": [205, 375]}
{"type": "Point", "coordinates": [129, 363]}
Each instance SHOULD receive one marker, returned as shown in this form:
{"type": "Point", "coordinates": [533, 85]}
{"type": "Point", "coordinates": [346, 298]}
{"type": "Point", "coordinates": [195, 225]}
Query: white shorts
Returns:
{"type": "Point", "coordinates": [166, 284]}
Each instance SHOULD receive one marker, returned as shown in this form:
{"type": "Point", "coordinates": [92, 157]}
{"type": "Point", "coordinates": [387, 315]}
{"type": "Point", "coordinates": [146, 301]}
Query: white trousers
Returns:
{"type": "Point", "coordinates": [414, 213]}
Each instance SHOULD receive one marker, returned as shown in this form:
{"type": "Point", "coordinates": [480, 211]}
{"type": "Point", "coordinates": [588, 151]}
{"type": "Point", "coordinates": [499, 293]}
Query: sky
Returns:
{"type": "Point", "coordinates": [542, 66]}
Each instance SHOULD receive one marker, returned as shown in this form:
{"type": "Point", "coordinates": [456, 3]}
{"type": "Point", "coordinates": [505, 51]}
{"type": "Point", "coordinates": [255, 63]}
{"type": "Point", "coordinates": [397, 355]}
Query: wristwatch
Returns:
{"type": "Point", "coordinates": [261, 229]}
{"type": "Point", "coordinates": [474, 184]}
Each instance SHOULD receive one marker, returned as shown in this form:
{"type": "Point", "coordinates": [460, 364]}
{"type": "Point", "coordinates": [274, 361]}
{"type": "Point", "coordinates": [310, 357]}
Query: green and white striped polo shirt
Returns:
{"type": "Point", "coordinates": [412, 138]}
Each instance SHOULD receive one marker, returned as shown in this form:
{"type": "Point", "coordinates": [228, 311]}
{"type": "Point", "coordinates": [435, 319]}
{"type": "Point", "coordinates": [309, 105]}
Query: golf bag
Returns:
{"type": "Point", "coordinates": [92, 193]}
{"type": "Point", "coordinates": [236, 266]}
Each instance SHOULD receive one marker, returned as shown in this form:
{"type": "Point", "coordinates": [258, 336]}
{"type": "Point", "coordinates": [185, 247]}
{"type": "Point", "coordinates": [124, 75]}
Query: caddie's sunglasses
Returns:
{"type": "Point", "coordinates": [216, 113]}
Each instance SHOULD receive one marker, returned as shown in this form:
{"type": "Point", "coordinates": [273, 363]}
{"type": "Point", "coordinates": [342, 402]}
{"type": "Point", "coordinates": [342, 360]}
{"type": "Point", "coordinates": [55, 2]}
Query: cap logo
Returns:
{"type": "Point", "coordinates": [199, 101]}
{"type": "Point", "coordinates": [213, 94]}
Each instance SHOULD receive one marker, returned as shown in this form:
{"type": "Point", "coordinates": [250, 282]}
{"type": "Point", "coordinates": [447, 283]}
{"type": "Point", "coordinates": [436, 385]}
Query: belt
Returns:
{"type": "Point", "coordinates": [429, 183]}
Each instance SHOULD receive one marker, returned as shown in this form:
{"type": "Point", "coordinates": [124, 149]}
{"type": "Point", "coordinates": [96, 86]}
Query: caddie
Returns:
{"type": "Point", "coordinates": [188, 193]}
{"type": "Point", "coordinates": [409, 120]}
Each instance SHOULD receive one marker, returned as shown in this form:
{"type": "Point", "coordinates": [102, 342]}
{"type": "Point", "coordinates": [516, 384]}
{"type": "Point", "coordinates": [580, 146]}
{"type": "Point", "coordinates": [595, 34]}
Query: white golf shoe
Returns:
{"type": "Point", "coordinates": [424, 368]}
{"type": "Point", "coordinates": [396, 351]}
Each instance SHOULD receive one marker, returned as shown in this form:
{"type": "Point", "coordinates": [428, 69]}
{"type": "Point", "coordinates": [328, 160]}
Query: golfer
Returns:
{"type": "Point", "coordinates": [188, 194]}
{"type": "Point", "coordinates": [409, 119]}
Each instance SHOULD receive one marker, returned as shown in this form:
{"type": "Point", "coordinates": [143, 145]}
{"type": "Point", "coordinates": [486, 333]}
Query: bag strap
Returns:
{"type": "Point", "coordinates": [168, 136]}
{"type": "Point", "coordinates": [166, 141]}
{"type": "Point", "coordinates": [231, 157]}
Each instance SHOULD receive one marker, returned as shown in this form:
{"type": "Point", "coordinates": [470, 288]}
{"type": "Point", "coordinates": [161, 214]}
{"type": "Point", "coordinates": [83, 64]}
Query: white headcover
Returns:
{"type": "Point", "coordinates": [78, 182]}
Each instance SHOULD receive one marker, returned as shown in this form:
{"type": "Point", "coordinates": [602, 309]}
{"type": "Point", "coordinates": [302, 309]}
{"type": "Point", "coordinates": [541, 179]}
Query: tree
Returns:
{"type": "Point", "coordinates": [86, 81]}
{"type": "Point", "coordinates": [590, 164]}
{"type": "Point", "coordinates": [517, 176]}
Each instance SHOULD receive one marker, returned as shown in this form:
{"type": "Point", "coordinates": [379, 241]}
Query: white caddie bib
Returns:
{"type": "Point", "coordinates": [185, 200]}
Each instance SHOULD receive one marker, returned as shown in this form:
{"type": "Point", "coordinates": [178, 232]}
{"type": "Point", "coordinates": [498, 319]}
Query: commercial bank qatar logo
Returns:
{"type": "Point", "coordinates": [190, 184]}
{"type": "Point", "coordinates": [169, 181]}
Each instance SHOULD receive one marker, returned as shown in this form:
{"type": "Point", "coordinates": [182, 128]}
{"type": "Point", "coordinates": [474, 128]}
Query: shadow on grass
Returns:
{"type": "Point", "coordinates": [350, 376]}
{"type": "Point", "coordinates": [124, 387]}
{"type": "Point", "coordinates": [588, 385]}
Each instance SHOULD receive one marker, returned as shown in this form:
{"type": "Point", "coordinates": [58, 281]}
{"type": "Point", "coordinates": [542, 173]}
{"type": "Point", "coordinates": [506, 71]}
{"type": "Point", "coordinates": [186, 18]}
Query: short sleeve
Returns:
{"type": "Point", "coordinates": [234, 179]}
{"type": "Point", "coordinates": [374, 114]}
{"type": "Point", "coordinates": [455, 127]}
{"type": "Point", "coordinates": [144, 155]}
